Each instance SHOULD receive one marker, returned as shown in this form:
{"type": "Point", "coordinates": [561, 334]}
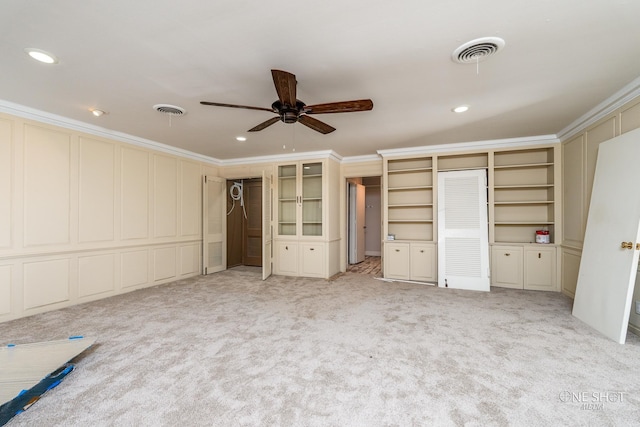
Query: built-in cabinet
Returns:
{"type": "Point", "coordinates": [523, 193]}
{"type": "Point", "coordinates": [410, 261]}
{"type": "Point", "coordinates": [532, 267]}
{"type": "Point", "coordinates": [409, 250]}
{"type": "Point", "coordinates": [303, 218]}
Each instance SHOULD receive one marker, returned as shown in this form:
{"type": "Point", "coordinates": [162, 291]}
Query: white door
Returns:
{"type": "Point", "coordinates": [608, 268]}
{"type": "Point", "coordinates": [356, 223]}
{"type": "Point", "coordinates": [267, 235]}
{"type": "Point", "coordinates": [463, 235]}
{"type": "Point", "coordinates": [214, 227]}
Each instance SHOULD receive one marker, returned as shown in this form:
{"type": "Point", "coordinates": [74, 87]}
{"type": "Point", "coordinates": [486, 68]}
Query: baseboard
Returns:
{"type": "Point", "coordinates": [634, 329]}
{"type": "Point", "coordinates": [372, 253]}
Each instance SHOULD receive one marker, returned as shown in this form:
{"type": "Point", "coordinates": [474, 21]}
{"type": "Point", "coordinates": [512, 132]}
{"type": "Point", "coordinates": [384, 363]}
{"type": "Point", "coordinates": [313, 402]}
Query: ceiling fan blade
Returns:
{"type": "Point", "coordinates": [340, 107]}
{"type": "Point", "coordinates": [285, 86]}
{"type": "Point", "coordinates": [264, 124]}
{"type": "Point", "coordinates": [218, 104]}
{"type": "Point", "coordinates": [316, 124]}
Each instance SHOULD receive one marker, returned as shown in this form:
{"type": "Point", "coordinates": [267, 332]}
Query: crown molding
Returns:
{"type": "Point", "coordinates": [67, 123]}
{"type": "Point", "coordinates": [472, 145]}
{"type": "Point", "coordinates": [606, 107]}
{"type": "Point", "coordinates": [287, 157]}
{"type": "Point", "coordinates": [361, 159]}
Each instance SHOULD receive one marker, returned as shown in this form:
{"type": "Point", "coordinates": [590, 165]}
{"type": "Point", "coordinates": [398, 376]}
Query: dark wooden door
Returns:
{"type": "Point", "coordinates": [252, 231]}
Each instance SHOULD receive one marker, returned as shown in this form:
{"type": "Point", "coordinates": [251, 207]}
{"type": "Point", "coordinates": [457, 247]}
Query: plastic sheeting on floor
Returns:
{"type": "Point", "coordinates": [29, 370]}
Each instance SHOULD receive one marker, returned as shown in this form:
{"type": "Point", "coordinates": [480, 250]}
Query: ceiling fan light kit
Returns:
{"type": "Point", "coordinates": [290, 110]}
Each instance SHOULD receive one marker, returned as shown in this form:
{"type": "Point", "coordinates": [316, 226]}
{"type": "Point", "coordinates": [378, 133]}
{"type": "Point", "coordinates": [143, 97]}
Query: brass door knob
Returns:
{"type": "Point", "coordinates": [626, 245]}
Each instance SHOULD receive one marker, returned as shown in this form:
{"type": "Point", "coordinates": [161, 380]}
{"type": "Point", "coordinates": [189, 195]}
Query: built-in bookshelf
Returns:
{"type": "Point", "coordinates": [523, 194]}
{"type": "Point", "coordinates": [410, 199]}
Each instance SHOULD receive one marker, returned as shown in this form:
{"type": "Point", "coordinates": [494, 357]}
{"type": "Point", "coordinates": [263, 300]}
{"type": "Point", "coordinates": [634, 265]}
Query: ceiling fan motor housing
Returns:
{"type": "Point", "coordinates": [288, 113]}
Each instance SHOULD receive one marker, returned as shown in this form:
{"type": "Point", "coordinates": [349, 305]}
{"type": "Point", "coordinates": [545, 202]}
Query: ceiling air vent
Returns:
{"type": "Point", "coordinates": [477, 50]}
{"type": "Point", "coordinates": [170, 109]}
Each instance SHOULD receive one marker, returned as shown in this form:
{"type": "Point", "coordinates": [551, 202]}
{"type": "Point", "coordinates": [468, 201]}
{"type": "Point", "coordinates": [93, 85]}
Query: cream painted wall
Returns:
{"type": "Point", "coordinates": [579, 162]}
{"type": "Point", "coordinates": [84, 218]}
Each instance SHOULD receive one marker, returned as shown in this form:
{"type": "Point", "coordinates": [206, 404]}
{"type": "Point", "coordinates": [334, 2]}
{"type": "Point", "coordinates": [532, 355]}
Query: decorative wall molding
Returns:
{"type": "Point", "coordinates": [606, 107]}
{"type": "Point", "coordinates": [67, 123]}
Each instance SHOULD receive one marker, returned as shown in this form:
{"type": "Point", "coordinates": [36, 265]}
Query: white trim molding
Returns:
{"type": "Point", "coordinates": [473, 145]}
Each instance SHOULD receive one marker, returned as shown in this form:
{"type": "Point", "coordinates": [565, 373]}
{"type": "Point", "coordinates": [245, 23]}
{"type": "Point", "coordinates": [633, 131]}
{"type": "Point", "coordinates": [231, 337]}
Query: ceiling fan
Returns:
{"type": "Point", "coordinates": [290, 109]}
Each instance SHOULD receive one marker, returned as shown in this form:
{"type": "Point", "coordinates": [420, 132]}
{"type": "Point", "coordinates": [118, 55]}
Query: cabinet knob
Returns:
{"type": "Point", "coordinates": [311, 249]}
{"type": "Point", "coordinates": [286, 248]}
{"type": "Point", "coordinates": [507, 254]}
{"type": "Point", "coordinates": [397, 250]}
{"type": "Point", "coordinates": [539, 255]}
{"type": "Point", "coordinates": [421, 251]}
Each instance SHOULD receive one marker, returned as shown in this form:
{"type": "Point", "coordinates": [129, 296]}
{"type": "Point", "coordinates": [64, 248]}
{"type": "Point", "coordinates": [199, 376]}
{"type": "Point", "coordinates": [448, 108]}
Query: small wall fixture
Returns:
{"type": "Point", "coordinates": [41, 56]}
{"type": "Point", "coordinates": [97, 113]}
{"type": "Point", "coordinates": [460, 109]}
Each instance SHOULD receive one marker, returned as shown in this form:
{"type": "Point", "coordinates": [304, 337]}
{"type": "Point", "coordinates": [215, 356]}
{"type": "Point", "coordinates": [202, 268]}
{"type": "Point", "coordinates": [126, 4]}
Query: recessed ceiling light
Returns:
{"type": "Point", "coordinates": [97, 112]}
{"type": "Point", "coordinates": [241, 138]}
{"type": "Point", "coordinates": [42, 56]}
{"type": "Point", "coordinates": [460, 109]}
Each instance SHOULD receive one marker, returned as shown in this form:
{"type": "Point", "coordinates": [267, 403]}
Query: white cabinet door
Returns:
{"type": "Point", "coordinates": [423, 262]}
{"type": "Point", "coordinates": [540, 268]}
{"type": "Point", "coordinates": [396, 261]}
{"type": "Point", "coordinates": [214, 227]}
{"type": "Point", "coordinates": [506, 267]}
{"type": "Point", "coordinates": [287, 260]}
{"type": "Point", "coordinates": [312, 259]}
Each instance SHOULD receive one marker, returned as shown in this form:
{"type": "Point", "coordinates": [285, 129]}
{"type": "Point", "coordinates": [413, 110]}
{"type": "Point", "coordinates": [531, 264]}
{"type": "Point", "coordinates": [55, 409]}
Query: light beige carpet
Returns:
{"type": "Point", "coordinates": [230, 350]}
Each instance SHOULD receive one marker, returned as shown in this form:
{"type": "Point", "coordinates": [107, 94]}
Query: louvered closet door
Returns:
{"type": "Point", "coordinates": [463, 236]}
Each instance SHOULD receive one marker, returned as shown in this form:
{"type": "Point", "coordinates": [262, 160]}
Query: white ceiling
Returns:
{"type": "Point", "coordinates": [561, 59]}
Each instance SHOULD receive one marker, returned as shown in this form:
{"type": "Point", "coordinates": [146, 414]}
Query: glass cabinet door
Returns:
{"type": "Point", "coordinates": [312, 199]}
{"type": "Point", "coordinates": [287, 200]}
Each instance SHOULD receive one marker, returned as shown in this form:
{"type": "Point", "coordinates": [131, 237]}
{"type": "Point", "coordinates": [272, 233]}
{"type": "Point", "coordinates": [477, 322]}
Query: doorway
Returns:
{"type": "Point", "coordinates": [364, 225]}
{"type": "Point", "coordinates": [244, 222]}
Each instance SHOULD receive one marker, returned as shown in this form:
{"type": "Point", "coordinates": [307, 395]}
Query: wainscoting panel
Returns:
{"type": "Point", "coordinates": [630, 118]}
{"type": "Point", "coordinates": [96, 274]}
{"type": "Point", "coordinates": [191, 203]}
{"type": "Point", "coordinates": [570, 268]}
{"type": "Point", "coordinates": [96, 191]}
{"type": "Point", "coordinates": [165, 196]}
{"type": "Point", "coordinates": [189, 259]}
{"type": "Point", "coordinates": [45, 282]}
{"type": "Point", "coordinates": [134, 268]}
{"type": "Point", "coordinates": [5, 289]}
{"type": "Point", "coordinates": [46, 186]}
{"type": "Point", "coordinates": [573, 219]}
{"type": "Point", "coordinates": [135, 194]}
{"type": "Point", "coordinates": [164, 261]}
{"type": "Point", "coordinates": [6, 181]}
